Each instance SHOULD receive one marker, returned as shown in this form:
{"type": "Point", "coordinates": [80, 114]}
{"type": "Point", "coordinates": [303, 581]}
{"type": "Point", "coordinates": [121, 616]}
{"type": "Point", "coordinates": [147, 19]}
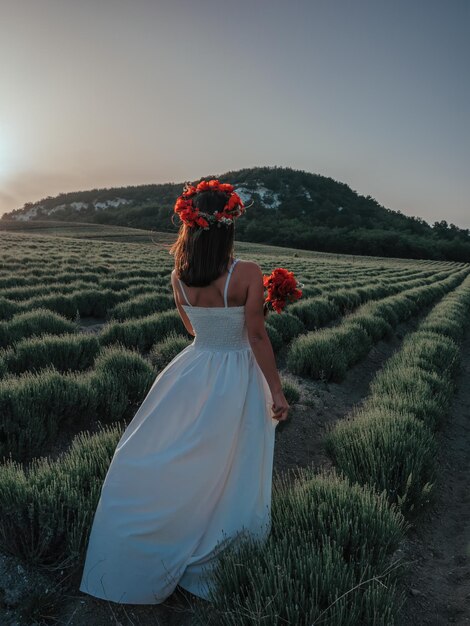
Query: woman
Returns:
{"type": "Point", "coordinates": [192, 472]}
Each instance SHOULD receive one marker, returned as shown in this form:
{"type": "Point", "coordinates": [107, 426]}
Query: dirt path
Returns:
{"type": "Point", "coordinates": [438, 582]}
{"type": "Point", "coordinates": [299, 441]}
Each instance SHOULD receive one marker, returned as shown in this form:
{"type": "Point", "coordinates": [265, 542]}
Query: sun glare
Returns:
{"type": "Point", "coordinates": [9, 156]}
{"type": "Point", "coordinates": [5, 163]}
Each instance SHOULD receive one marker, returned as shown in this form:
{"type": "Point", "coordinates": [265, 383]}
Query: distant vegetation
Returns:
{"type": "Point", "coordinates": [291, 207]}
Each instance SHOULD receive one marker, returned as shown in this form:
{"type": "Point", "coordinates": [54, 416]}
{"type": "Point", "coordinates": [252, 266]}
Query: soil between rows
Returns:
{"type": "Point", "coordinates": [438, 546]}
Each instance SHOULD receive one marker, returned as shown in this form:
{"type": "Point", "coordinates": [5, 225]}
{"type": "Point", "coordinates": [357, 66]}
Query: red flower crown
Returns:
{"type": "Point", "coordinates": [282, 288]}
{"type": "Point", "coordinates": [193, 217]}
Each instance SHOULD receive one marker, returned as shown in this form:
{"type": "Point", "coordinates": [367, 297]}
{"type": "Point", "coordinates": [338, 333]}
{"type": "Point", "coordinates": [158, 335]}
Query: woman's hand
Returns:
{"type": "Point", "coordinates": [280, 406]}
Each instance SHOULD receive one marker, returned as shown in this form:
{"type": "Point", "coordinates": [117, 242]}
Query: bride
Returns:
{"type": "Point", "coordinates": [192, 471]}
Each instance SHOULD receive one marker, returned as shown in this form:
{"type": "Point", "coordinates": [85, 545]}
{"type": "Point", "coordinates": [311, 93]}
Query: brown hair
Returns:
{"type": "Point", "coordinates": [201, 255]}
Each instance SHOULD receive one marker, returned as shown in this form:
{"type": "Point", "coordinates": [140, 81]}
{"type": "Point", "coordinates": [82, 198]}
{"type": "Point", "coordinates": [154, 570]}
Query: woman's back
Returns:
{"type": "Point", "coordinates": [228, 289]}
{"type": "Point", "coordinates": [218, 327]}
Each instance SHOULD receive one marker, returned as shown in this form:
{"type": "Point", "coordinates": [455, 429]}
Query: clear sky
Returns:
{"type": "Point", "coordinates": [374, 93]}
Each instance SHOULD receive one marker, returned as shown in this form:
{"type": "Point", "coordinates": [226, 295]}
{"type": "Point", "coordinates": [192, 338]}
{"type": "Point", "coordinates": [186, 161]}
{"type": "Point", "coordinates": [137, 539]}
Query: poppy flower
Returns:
{"type": "Point", "coordinates": [281, 286]}
{"type": "Point", "coordinates": [203, 186]}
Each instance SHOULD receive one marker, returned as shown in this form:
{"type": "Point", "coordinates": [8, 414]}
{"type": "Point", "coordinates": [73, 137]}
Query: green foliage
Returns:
{"type": "Point", "coordinates": [374, 325]}
{"type": "Point", "coordinates": [389, 442]}
{"type": "Point", "coordinates": [141, 306]}
{"type": "Point", "coordinates": [430, 351]}
{"type": "Point", "coordinates": [330, 352]}
{"type": "Point", "coordinates": [41, 605]}
{"type": "Point", "coordinates": [318, 355]}
{"type": "Point", "coordinates": [425, 395]}
{"type": "Point", "coordinates": [327, 558]}
{"type": "Point", "coordinates": [65, 352]}
{"type": "Point", "coordinates": [287, 325]}
{"type": "Point", "coordinates": [451, 319]}
{"type": "Point", "coordinates": [3, 364]}
{"type": "Point", "coordinates": [33, 323]}
{"type": "Point", "coordinates": [392, 451]}
{"type": "Point", "coordinates": [291, 391]}
{"type": "Point", "coordinates": [142, 333]}
{"type": "Point", "coordinates": [315, 312]}
{"type": "Point", "coordinates": [346, 299]}
{"type": "Point", "coordinates": [165, 351]}
{"type": "Point", "coordinates": [48, 506]}
{"type": "Point", "coordinates": [274, 337]}
{"type": "Point", "coordinates": [330, 543]}
{"type": "Point", "coordinates": [35, 406]}
{"type": "Point", "coordinates": [89, 302]}
{"type": "Point", "coordinates": [121, 369]}
{"type": "Point", "coordinates": [314, 213]}
{"type": "Point", "coordinates": [7, 308]}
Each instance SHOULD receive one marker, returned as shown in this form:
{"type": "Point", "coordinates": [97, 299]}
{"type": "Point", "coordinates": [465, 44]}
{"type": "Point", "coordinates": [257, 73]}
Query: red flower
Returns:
{"type": "Point", "coordinates": [203, 186]}
{"type": "Point", "coordinates": [201, 221]}
{"type": "Point", "coordinates": [181, 204]}
{"type": "Point", "coordinates": [189, 190]}
{"type": "Point", "coordinates": [233, 203]}
{"type": "Point", "coordinates": [282, 288]}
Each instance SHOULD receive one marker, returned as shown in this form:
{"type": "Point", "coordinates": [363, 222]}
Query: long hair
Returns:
{"type": "Point", "coordinates": [201, 255]}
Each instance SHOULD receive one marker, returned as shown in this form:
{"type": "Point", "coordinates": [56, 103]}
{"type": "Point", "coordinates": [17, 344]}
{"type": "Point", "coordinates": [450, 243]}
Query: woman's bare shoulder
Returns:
{"type": "Point", "coordinates": [250, 266]}
{"type": "Point", "coordinates": [250, 273]}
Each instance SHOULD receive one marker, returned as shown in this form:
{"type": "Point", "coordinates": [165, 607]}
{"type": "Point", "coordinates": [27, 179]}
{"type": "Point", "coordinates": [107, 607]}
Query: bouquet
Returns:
{"type": "Point", "coordinates": [282, 287]}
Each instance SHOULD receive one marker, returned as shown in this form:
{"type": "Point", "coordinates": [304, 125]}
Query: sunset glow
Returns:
{"type": "Point", "coordinates": [120, 93]}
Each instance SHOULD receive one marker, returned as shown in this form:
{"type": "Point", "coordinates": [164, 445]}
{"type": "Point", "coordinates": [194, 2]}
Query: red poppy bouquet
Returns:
{"type": "Point", "coordinates": [282, 287]}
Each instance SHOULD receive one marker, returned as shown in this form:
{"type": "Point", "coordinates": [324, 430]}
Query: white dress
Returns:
{"type": "Point", "coordinates": [191, 473]}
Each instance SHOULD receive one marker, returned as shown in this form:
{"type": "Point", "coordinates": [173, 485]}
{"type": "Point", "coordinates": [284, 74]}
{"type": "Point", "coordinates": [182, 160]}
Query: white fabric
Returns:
{"type": "Point", "coordinates": [184, 292]}
{"type": "Point", "coordinates": [228, 280]}
{"type": "Point", "coordinates": [191, 473]}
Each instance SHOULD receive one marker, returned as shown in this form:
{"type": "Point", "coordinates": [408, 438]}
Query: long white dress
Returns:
{"type": "Point", "coordinates": [191, 473]}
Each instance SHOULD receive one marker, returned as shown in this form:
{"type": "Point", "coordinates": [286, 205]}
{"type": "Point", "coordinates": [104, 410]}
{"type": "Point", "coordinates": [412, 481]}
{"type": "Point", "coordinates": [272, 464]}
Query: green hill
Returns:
{"type": "Point", "coordinates": [291, 207]}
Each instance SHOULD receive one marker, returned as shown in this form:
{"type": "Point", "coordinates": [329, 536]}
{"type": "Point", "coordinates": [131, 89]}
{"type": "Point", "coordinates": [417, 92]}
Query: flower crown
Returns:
{"type": "Point", "coordinates": [193, 217]}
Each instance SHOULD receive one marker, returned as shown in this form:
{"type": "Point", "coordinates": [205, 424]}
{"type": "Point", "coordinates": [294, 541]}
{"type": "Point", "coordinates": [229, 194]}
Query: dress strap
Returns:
{"type": "Point", "coordinates": [184, 293]}
{"type": "Point", "coordinates": [227, 281]}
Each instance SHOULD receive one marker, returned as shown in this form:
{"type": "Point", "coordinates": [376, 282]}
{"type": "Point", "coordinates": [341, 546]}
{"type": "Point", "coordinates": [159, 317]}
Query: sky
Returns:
{"type": "Point", "coordinates": [104, 93]}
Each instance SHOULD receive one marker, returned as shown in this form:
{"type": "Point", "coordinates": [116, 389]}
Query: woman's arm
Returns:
{"type": "Point", "coordinates": [181, 311]}
{"type": "Point", "coordinates": [259, 339]}
{"type": "Point", "coordinates": [255, 322]}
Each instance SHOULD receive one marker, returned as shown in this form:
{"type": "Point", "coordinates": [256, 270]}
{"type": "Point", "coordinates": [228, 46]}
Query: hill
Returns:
{"type": "Point", "coordinates": [291, 207]}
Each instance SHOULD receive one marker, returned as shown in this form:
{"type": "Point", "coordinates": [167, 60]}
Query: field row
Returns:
{"type": "Point", "coordinates": [34, 405]}
{"type": "Point", "coordinates": [21, 334]}
{"type": "Point", "coordinates": [389, 443]}
{"type": "Point", "coordinates": [327, 558]}
{"type": "Point", "coordinates": [89, 295]}
{"type": "Point", "coordinates": [329, 353]}
{"type": "Point", "coordinates": [120, 281]}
